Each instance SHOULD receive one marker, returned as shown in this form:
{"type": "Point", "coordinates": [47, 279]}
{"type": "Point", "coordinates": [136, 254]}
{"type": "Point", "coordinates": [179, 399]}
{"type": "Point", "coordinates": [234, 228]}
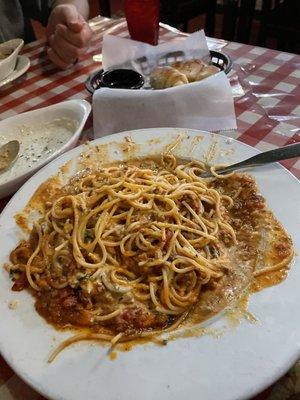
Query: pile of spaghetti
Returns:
{"type": "Point", "coordinates": [126, 250]}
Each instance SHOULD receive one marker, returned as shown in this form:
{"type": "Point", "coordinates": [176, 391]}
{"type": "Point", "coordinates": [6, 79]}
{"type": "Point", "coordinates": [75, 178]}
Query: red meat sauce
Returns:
{"type": "Point", "coordinates": [64, 307]}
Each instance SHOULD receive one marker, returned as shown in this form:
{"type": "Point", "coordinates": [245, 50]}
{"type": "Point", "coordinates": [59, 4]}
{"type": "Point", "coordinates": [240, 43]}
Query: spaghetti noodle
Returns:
{"type": "Point", "coordinates": [127, 250]}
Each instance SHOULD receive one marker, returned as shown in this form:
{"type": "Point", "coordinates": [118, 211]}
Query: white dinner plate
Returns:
{"type": "Point", "coordinates": [22, 65]}
{"type": "Point", "coordinates": [237, 364]}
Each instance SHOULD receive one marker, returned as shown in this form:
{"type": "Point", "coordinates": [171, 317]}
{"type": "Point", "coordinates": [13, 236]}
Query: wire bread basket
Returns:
{"type": "Point", "coordinates": [144, 66]}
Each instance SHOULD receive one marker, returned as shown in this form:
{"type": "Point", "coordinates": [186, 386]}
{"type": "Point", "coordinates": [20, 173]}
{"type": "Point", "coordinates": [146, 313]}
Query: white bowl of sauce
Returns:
{"type": "Point", "coordinates": [43, 134]}
{"type": "Point", "coordinates": [8, 56]}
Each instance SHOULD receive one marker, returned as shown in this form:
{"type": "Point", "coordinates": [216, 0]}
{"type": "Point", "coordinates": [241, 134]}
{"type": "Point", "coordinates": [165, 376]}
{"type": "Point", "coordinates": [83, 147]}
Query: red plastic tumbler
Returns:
{"type": "Point", "coordinates": [143, 20]}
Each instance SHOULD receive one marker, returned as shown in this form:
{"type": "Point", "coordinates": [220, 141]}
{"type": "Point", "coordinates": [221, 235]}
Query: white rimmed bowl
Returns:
{"type": "Point", "coordinates": [7, 65]}
{"type": "Point", "coordinates": [76, 110]}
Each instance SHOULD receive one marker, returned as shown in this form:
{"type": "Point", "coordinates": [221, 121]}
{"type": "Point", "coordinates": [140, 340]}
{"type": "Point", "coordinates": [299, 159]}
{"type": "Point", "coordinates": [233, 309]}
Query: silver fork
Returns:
{"type": "Point", "coordinates": [283, 153]}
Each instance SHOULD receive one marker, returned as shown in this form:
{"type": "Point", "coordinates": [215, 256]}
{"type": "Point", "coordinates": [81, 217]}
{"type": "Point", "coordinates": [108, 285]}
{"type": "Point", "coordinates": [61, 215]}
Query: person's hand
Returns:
{"type": "Point", "coordinates": [68, 36]}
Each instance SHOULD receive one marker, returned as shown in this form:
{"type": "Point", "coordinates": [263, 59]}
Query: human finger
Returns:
{"type": "Point", "coordinates": [56, 59]}
{"type": "Point", "coordinates": [66, 50]}
{"type": "Point", "coordinates": [80, 39]}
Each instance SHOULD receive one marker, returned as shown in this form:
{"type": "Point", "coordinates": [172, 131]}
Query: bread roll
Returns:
{"type": "Point", "coordinates": [165, 77]}
{"type": "Point", "coordinates": [195, 70]}
{"type": "Point", "coordinates": [208, 70]}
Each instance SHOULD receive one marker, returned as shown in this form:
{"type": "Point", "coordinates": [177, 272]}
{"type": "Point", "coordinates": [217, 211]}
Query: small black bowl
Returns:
{"type": "Point", "coordinates": [115, 79]}
{"type": "Point", "coordinates": [122, 79]}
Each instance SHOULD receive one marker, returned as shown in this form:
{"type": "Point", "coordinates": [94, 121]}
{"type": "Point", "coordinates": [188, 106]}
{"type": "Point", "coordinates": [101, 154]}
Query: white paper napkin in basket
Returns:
{"type": "Point", "coordinates": [125, 53]}
{"type": "Point", "coordinates": [119, 52]}
{"type": "Point", "coordinates": [206, 105]}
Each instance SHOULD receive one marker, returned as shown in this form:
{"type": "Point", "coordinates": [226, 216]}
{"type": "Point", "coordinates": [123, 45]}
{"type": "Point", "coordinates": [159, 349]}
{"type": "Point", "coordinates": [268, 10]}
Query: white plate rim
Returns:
{"type": "Point", "coordinates": [70, 154]}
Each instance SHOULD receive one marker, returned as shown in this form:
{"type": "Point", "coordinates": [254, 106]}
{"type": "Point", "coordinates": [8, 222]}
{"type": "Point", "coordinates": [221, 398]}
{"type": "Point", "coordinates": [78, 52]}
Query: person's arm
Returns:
{"type": "Point", "coordinates": [68, 33]}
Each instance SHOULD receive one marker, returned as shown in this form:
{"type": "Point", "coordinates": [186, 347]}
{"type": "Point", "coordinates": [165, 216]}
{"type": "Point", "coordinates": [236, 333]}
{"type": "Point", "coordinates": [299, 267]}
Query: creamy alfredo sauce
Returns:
{"type": "Point", "coordinates": [37, 143]}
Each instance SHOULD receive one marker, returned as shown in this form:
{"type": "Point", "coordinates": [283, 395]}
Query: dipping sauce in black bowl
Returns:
{"type": "Point", "coordinates": [122, 79]}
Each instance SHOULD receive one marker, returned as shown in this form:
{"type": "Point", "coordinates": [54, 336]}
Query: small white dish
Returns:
{"type": "Point", "coordinates": [7, 64]}
{"type": "Point", "coordinates": [43, 134]}
{"type": "Point", "coordinates": [22, 65]}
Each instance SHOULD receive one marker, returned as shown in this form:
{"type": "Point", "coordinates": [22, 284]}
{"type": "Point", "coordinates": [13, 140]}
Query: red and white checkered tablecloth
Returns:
{"type": "Point", "coordinates": [268, 116]}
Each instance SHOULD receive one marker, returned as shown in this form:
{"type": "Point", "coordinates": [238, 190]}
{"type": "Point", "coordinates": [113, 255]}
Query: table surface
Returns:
{"type": "Point", "coordinates": [268, 116]}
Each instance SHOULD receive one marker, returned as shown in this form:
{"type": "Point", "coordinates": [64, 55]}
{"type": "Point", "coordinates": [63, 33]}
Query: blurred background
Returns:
{"type": "Point", "coordinates": [268, 23]}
